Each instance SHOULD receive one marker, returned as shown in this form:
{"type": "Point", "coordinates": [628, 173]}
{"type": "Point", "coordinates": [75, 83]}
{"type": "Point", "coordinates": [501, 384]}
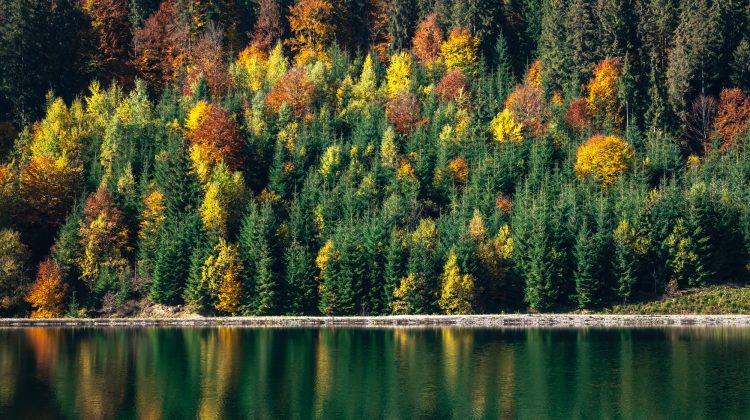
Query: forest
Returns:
{"type": "Point", "coordinates": [347, 157]}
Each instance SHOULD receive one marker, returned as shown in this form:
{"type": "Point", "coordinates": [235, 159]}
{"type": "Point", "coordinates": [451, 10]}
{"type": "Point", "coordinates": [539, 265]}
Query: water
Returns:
{"type": "Point", "coordinates": [180, 373]}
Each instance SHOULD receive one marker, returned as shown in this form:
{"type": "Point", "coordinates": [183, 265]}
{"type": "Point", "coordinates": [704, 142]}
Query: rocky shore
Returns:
{"type": "Point", "coordinates": [476, 321]}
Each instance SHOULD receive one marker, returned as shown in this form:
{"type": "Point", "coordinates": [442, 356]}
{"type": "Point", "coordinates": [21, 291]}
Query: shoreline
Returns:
{"type": "Point", "coordinates": [398, 321]}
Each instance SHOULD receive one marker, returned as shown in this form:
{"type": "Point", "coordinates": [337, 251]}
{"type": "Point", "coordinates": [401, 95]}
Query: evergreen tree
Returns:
{"type": "Point", "coordinates": [300, 281]}
{"type": "Point", "coordinates": [173, 260]}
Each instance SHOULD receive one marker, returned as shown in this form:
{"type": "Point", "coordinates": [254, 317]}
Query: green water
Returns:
{"type": "Point", "coordinates": [181, 373]}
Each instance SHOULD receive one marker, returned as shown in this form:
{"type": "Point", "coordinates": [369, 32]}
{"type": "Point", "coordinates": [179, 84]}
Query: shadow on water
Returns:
{"type": "Point", "coordinates": [176, 373]}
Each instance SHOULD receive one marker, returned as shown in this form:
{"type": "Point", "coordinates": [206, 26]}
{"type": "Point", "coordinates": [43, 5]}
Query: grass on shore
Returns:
{"type": "Point", "coordinates": [716, 300]}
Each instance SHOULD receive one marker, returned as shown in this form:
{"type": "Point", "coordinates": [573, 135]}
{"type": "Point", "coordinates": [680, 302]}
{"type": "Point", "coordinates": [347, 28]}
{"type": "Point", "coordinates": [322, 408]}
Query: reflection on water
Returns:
{"type": "Point", "coordinates": [176, 373]}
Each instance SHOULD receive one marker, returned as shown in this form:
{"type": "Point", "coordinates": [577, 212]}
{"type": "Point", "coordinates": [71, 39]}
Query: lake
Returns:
{"type": "Point", "coordinates": [181, 373]}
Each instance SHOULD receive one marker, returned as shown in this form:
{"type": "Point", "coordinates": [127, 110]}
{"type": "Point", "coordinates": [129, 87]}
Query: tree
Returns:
{"type": "Point", "coordinates": [158, 47]}
{"type": "Point", "coordinates": [310, 23]}
{"type": "Point", "coordinates": [47, 294]}
{"type": "Point", "coordinates": [294, 89]}
{"type": "Point", "coordinates": [603, 104]}
{"type": "Point", "coordinates": [403, 112]}
{"type": "Point", "coordinates": [504, 128]}
{"type": "Point", "coordinates": [399, 74]}
{"type": "Point", "coordinates": [48, 187]}
{"type": "Point", "coordinates": [454, 87]}
{"type": "Point", "coordinates": [300, 280]}
{"type": "Point", "coordinates": [257, 248]}
{"type": "Point", "coordinates": [457, 293]}
{"type": "Point", "coordinates": [13, 278]}
{"type": "Point", "coordinates": [207, 64]}
{"type": "Point", "coordinates": [104, 238]}
{"type": "Point", "coordinates": [225, 197]}
{"type": "Point", "coordinates": [178, 240]}
{"type": "Point", "coordinates": [578, 116]}
{"type": "Point", "coordinates": [579, 27]}
{"type": "Point", "coordinates": [41, 48]}
{"type": "Point", "coordinates": [225, 270]}
{"type": "Point", "coordinates": [553, 45]}
{"type": "Point", "coordinates": [268, 28]}
{"type": "Point", "coordinates": [460, 51]}
{"type": "Point", "coordinates": [399, 16]}
{"type": "Point", "coordinates": [110, 21]}
{"type": "Point", "coordinates": [696, 56]}
{"type": "Point", "coordinates": [732, 117]}
{"type": "Point", "coordinates": [427, 40]}
{"type": "Point", "coordinates": [215, 138]}
{"type": "Point", "coordinates": [606, 158]}
{"type": "Point", "coordinates": [590, 273]}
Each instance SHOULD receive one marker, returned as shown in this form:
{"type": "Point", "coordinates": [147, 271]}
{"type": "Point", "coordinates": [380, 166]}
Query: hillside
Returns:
{"type": "Point", "coordinates": [372, 157]}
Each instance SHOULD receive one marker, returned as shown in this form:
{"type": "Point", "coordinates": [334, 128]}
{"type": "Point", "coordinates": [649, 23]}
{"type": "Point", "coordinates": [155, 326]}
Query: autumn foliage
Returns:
{"type": "Point", "coordinates": [427, 40]}
{"type": "Point", "coordinates": [403, 111]}
{"type": "Point", "coordinates": [527, 104]}
{"type": "Point", "coordinates": [48, 187]}
{"type": "Point", "coordinates": [268, 28]}
{"type": "Point", "coordinates": [310, 22]}
{"type": "Point", "coordinates": [732, 117]}
{"type": "Point", "coordinates": [111, 25]}
{"type": "Point", "coordinates": [207, 61]}
{"type": "Point", "coordinates": [47, 294]}
{"type": "Point", "coordinates": [294, 89]}
{"type": "Point", "coordinates": [454, 86]}
{"type": "Point", "coordinates": [578, 117]}
{"type": "Point", "coordinates": [461, 51]}
{"type": "Point", "coordinates": [158, 47]}
{"type": "Point", "coordinates": [603, 104]}
{"type": "Point", "coordinates": [215, 136]}
{"type": "Point", "coordinates": [103, 237]}
{"type": "Point", "coordinates": [605, 158]}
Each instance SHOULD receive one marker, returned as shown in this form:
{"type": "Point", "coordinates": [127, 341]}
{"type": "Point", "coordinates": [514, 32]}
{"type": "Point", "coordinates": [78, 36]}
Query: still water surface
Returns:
{"type": "Point", "coordinates": [182, 373]}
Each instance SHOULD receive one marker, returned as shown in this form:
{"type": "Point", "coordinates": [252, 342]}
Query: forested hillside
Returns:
{"type": "Point", "coordinates": [370, 156]}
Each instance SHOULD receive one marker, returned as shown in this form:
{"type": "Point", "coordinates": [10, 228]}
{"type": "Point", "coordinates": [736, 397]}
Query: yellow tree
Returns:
{"type": "Point", "coordinates": [602, 101]}
{"type": "Point", "coordinates": [104, 237]}
{"type": "Point", "coordinates": [461, 51]}
{"type": "Point", "coordinates": [220, 276]}
{"type": "Point", "coordinates": [310, 22]}
{"type": "Point", "coordinates": [504, 128]}
{"type": "Point", "coordinates": [605, 158]}
{"type": "Point", "coordinates": [221, 206]}
{"type": "Point", "coordinates": [398, 75]}
{"type": "Point", "coordinates": [457, 292]}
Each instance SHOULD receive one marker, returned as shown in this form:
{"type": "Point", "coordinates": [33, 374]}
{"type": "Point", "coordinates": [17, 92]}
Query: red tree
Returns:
{"type": "Point", "coordinates": [295, 89]}
{"type": "Point", "coordinates": [403, 112]}
{"type": "Point", "coordinates": [158, 47]}
{"type": "Point", "coordinates": [47, 294]}
{"type": "Point", "coordinates": [219, 131]}
{"type": "Point", "coordinates": [731, 121]}
{"type": "Point", "coordinates": [454, 87]}
{"type": "Point", "coordinates": [207, 59]}
{"type": "Point", "coordinates": [268, 29]}
{"type": "Point", "coordinates": [578, 117]}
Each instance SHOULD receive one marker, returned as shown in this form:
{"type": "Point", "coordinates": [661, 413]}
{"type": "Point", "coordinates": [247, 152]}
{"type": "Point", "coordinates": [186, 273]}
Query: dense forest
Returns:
{"type": "Point", "coordinates": [370, 156]}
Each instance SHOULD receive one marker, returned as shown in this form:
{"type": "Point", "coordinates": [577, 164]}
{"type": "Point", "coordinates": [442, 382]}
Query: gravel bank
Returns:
{"type": "Point", "coordinates": [484, 321]}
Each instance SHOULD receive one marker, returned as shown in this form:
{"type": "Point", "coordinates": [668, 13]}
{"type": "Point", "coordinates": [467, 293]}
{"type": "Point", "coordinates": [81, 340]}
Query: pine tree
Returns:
{"type": "Point", "coordinates": [300, 281]}
{"type": "Point", "coordinates": [177, 241]}
{"type": "Point", "coordinates": [402, 21]}
{"type": "Point", "coordinates": [579, 27]}
{"type": "Point", "coordinates": [504, 77]}
{"type": "Point", "coordinates": [554, 50]}
{"type": "Point", "coordinates": [257, 247]}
